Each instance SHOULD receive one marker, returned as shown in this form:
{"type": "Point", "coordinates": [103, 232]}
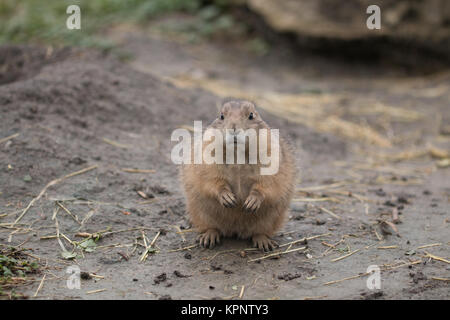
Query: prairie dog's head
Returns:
{"type": "Point", "coordinates": [237, 116]}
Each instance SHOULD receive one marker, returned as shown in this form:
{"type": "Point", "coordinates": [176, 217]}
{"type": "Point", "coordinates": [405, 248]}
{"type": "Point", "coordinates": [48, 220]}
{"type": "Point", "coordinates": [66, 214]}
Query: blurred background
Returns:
{"type": "Point", "coordinates": [412, 27]}
{"type": "Point", "coordinates": [311, 62]}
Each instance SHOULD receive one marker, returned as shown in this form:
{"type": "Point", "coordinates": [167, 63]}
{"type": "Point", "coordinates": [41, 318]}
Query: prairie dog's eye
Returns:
{"type": "Point", "coordinates": [222, 117]}
{"type": "Point", "coordinates": [250, 116]}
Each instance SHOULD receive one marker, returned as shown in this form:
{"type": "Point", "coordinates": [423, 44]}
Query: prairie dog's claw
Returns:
{"type": "Point", "coordinates": [209, 238]}
{"type": "Point", "coordinates": [252, 203]}
{"type": "Point", "coordinates": [264, 243]}
{"type": "Point", "coordinates": [227, 199]}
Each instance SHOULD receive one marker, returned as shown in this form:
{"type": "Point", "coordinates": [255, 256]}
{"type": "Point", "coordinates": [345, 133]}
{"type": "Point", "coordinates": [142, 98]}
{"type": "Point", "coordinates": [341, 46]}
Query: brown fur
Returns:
{"type": "Point", "coordinates": [228, 200]}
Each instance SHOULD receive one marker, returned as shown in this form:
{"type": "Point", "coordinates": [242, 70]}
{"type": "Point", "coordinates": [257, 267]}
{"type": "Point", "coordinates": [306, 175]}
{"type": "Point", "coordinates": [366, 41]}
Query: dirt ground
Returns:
{"type": "Point", "coordinates": [371, 143]}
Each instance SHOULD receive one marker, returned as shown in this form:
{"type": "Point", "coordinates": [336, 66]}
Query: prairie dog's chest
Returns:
{"type": "Point", "coordinates": [241, 178]}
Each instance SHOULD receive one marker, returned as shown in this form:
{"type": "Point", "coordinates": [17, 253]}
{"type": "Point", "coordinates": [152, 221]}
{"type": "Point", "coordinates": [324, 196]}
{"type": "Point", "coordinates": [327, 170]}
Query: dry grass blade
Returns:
{"type": "Point", "coordinates": [51, 183]}
{"type": "Point", "coordinates": [148, 248]}
{"type": "Point", "coordinates": [55, 212]}
{"type": "Point", "coordinates": [185, 231]}
{"type": "Point", "coordinates": [74, 217]}
{"type": "Point", "coordinates": [379, 237]}
{"type": "Point", "coordinates": [40, 286]}
{"type": "Point", "coordinates": [131, 170]}
{"type": "Point", "coordinates": [367, 273]}
{"type": "Point", "coordinates": [322, 187]}
{"type": "Point", "coordinates": [314, 298]}
{"type": "Point", "coordinates": [345, 256]}
{"type": "Point", "coordinates": [180, 232]}
{"type": "Point", "coordinates": [123, 230]}
{"type": "Point", "coordinates": [359, 197]}
{"type": "Point", "coordinates": [95, 291]}
{"type": "Point", "coordinates": [99, 234]}
{"type": "Point", "coordinates": [9, 138]}
{"type": "Point", "coordinates": [276, 254]}
{"type": "Point", "coordinates": [185, 248]}
{"type": "Point", "coordinates": [61, 244]}
{"type": "Point", "coordinates": [241, 294]}
{"type": "Point", "coordinates": [331, 213]}
{"type": "Point", "coordinates": [88, 215]}
{"type": "Point", "coordinates": [432, 256]}
{"type": "Point", "coordinates": [348, 278]}
{"type": "Point", "coordinates": [187, 127]}
{"type": "Point", "coordinates": [403, 265]}
{"type": "Point", "coordinates": [302, 240]}
{"type": "Point", "coordinates": [115, 144]}
{"type": "Point", "coordinates": [154, 239]}
{"type": "Point", "coordinates": [67, 238]}
{"type": "Point", "coordinates": [440, 279]}
{"type": "Point", "coordinates": [429, 245]}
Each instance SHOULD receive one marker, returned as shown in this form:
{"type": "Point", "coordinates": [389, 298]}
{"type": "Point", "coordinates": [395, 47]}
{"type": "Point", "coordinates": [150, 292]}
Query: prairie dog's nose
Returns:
{"type": "Point", "coordinates": [235, 131]}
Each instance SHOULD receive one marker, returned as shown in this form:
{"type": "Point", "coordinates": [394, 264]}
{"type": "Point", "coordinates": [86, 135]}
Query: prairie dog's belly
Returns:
{"type": "Point", "coordinates": [241, 179]}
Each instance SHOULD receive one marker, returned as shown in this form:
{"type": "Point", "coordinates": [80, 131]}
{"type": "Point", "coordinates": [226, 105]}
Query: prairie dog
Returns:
{"type": "Point", "coordinates": [235, 199]}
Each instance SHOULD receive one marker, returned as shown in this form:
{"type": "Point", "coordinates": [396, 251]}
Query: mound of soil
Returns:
{"type": "Point", "coordinates": [18, 62]}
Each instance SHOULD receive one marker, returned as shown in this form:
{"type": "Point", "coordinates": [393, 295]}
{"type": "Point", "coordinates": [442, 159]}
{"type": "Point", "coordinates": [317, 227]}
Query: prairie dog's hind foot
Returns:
{"type": "Point", "coordinates": [209, 238]}
{"type": "Point", "coordinates": [264, 243]}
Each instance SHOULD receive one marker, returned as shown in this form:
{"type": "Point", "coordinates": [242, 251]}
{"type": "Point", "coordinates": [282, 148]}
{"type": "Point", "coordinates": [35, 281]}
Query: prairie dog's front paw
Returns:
{"type": "Point", "coordinates": [253, 202]}
{"type": "Point", "coordinates": [227, 199]}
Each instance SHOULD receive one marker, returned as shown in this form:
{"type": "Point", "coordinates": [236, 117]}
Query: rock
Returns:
{"type": "Point", "coordinates": [414, 20]}
{"type": "Point", "coordinates": [161, 278]}
{"type": "Point", "coordinates": [298, 207]}
{"type": "Point", "coordinates": [445, 130]}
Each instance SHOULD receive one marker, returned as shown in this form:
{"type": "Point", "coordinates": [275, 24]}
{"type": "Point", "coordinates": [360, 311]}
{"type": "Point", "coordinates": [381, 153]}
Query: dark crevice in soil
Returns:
{"type": "Point", "coordinates": [22, 62]}
{"type": "Point", "coordinates": [407, 56]}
